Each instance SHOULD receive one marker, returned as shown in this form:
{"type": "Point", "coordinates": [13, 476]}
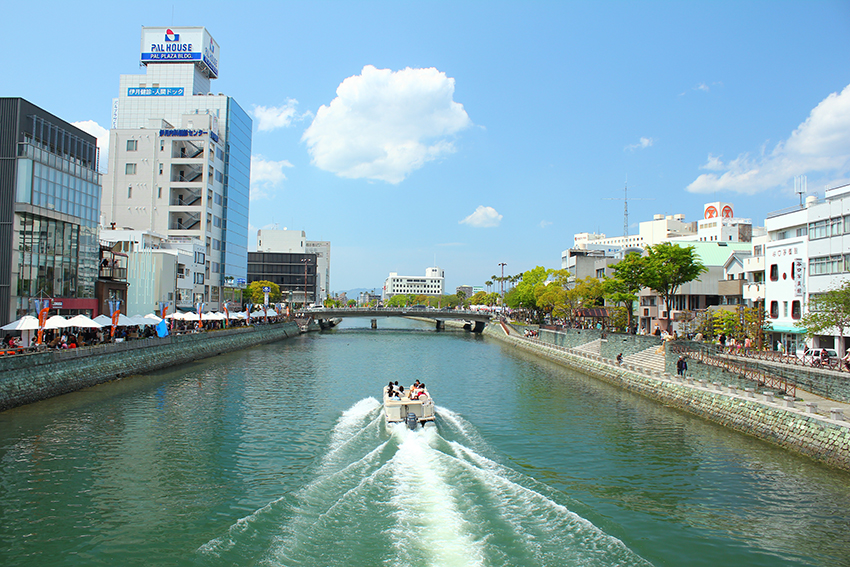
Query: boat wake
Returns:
{"type": "Point", "coordinates": [387, 495]}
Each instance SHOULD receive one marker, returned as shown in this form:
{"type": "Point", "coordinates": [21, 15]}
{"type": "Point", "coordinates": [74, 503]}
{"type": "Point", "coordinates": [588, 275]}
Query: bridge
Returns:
{"type": "Point", "coordinates": [475, 320]}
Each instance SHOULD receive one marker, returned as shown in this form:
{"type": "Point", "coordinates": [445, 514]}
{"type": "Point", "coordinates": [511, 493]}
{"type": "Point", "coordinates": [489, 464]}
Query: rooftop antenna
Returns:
{"type": "Point", "coordinates": [801, 186]}
{"type": "Point", "coordinates": [625, 199]}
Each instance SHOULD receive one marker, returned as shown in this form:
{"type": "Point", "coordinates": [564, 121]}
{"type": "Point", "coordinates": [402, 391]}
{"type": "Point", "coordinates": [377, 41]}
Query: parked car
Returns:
{"type": "Point", "coordinates": [814, 356]}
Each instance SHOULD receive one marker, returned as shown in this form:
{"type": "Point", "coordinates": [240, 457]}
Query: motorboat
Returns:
{"type": "Point", "coordinates": [411, 412]}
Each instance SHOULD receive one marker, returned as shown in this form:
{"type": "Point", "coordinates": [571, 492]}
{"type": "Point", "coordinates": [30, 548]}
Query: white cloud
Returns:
{"type": "Point", "coordinates": [266, 176]}
{"type": "Point", "coordinates": [274, 117]}
{"type": "Point", "coordinates": [483, 217]}
{"type": "Point", "coordinates": [821, 144]}
{"type": "Point", "coordinates": [643, 143]}
{"type": "Point", "coordinates": [384, 125]}
{"type": "Point", "coordinates": [102, 135]}
{"type": "Point", "coordinates": [545, 223]}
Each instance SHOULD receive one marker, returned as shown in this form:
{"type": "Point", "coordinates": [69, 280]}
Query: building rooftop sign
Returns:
{"type": "Point", "coordinates": [181, 45]}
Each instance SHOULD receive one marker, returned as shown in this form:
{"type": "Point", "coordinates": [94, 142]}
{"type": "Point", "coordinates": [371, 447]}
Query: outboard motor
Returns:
{"type": "Point", "coordinates": [412, 421]}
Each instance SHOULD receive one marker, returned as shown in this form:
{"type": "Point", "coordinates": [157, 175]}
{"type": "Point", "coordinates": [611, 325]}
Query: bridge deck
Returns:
{"type": "Point", "coordinates": [439, 314]}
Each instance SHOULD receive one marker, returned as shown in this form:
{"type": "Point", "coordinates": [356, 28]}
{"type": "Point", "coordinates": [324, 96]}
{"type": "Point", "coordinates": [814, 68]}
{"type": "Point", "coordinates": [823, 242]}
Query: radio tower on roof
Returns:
{"type": "Point", "coordinates": [625, 199]}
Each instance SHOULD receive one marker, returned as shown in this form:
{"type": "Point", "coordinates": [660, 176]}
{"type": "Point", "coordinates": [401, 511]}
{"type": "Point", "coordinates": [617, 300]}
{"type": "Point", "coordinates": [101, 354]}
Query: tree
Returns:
{"type": "Point", "coordinates": [255, 294]}
{"type": "Point", "coordinates": [625, 285]}
{"type": "Point", "coordinates": [584, 293]}
{"type": "Point", "coordinates": [461, 298]}
{"type": "Point", "coordinates": [523, 296]}
{"type": "Point", "coordinates": [829, 312]}
{"type": "Point", "coordinates": [668, 266]}
{"type": "Point", "coordinates": [478, 298]}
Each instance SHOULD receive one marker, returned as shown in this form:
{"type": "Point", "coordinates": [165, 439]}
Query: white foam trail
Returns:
{"type": "Point", "coordinates": [227, 541]}
{"type": "Point", "coordinates": [429, 524]}
{"type": "Point", "coordinates": [524, 503]}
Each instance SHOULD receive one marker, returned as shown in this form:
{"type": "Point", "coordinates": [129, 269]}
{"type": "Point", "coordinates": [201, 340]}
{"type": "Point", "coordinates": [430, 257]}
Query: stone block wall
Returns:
{"type": "Point", "coordinates": [823, 439]}
{"type": "Point", "coordinates": [32, 377]}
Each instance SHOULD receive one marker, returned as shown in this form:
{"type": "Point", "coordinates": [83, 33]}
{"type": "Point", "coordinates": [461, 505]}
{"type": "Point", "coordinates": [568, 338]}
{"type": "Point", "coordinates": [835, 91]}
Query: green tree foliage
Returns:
{"type": "Point", "coordinates": [828, 311]}
{"type": "Point", "coordinates": [399, 300]}
{"type": "Point", "coordinates": [254, 292]}
{"type": "Point", "coordinates": [624, 286]}
{"type": "Point", "coordinates": [584, 293]}
{"type": "Point", "coordinates": [668, 266]}
{"type": "Point", "coordinates": [523, 296]}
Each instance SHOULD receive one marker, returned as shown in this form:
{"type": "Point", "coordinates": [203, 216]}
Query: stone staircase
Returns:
{"type": "Point", "coordinates": [647, 358]}
{"type": "Point", "coordinates": [593, 347]}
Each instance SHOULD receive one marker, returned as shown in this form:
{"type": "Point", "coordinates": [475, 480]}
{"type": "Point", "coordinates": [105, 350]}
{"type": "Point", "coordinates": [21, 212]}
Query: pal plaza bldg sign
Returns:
{"type": "Point", "coordinates": [181, 45]}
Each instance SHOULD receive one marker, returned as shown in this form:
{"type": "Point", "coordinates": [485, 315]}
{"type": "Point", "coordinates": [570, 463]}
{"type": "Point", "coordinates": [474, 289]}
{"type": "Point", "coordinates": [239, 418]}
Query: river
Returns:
{"type": "Point", "coordinates": [279, 455]}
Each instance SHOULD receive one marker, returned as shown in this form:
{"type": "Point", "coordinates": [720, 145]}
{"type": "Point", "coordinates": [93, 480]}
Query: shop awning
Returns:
{"type": "Point", "coordinates": [787, 329]}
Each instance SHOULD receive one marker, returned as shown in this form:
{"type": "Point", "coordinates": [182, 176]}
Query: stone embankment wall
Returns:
{"type": "Point", "coordinates": [782, 422]}
{"type": "Point", "coordinates": [29, 378]}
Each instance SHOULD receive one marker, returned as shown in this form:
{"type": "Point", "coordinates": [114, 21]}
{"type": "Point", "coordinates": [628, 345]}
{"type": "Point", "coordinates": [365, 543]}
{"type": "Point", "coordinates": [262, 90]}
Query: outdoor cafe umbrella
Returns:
{"type": "Point", "coordinates": [56, 322]}
{"type": "Point", "coordinates": [123, 321]}
{"type": "Point", "coordinates": [142, 321]}
{"type": "Point", "coordinates": [82, 321]}
{"type": "Point", "coordinates": [25, 323]}
{"type": "Point", "coordinates": [153, 318]}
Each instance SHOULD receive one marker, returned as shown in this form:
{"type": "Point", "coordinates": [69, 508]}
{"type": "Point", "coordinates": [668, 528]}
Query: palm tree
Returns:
{"type": "Point", "coordinates": [488, 283]}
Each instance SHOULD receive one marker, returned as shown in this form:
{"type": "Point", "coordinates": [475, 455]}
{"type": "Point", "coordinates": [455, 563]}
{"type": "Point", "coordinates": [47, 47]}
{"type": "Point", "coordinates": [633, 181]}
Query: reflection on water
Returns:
{"type": "Point", "coordinates": [424, 497]}
{"type": "Point", "coordinates": [277, 455]}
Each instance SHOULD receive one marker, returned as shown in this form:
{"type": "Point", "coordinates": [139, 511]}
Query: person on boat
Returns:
{"type": "Point", "coordinates": [414, 387]}
{"type": "Point", "coordinates": [390, 388]}
{"type": "Point", "coordinates": [419, 393]}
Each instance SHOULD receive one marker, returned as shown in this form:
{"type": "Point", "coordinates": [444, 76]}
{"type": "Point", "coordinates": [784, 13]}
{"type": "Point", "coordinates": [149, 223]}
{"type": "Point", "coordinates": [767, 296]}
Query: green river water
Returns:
{"type": "Point", "coordinates": [279, 455]}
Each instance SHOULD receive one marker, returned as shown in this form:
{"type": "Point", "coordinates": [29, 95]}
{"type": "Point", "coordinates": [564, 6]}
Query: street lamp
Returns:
{"type": "Point", "coordinates": [502, 282]}
{"type": "Point", "coordinates": [305, 260]}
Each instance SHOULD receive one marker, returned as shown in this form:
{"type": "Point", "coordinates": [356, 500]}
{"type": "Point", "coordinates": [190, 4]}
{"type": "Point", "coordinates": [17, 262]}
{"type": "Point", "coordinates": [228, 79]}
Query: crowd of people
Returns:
{"type": "Point", "coordinates": [417, 391]}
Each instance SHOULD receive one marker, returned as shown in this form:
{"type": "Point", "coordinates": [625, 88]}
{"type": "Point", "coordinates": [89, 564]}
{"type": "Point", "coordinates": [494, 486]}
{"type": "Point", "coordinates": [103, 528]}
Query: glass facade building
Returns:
{"type": "Point", "coordinates": [50, 194]}
{"type": "Point", "coordinates": [237, 182]}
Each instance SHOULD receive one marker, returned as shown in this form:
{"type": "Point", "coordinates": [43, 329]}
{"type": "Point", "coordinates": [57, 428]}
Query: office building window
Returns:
{"type": "Point", "coordinates": [795, 309]}
{"type": "Point", "coordinates": [130, 192]}
{"type": "Point", "coordinates": [774, 309]}
{"type": "Point", "coordinates": [130, 169]}
{"type": "Point", "coordinates": [774, 272]}
{"type": "Point", "coordinates": [132, 145]}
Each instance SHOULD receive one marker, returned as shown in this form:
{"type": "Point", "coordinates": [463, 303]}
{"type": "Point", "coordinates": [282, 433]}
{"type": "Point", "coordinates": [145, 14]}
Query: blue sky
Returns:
{"type": "Point", "coordinates": [476, 133]}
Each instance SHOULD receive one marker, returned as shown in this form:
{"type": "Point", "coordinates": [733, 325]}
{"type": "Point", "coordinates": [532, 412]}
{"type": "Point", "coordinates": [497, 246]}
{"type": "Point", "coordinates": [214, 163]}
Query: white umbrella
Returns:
{"type": "Point", "coordinates": [142, 321]}
{"type": "Point", "coordinates": [177, 316]}
{"type": "Point", "coordinates": [190, 317]}
{"type": "Point", "coordinates": [84, 322]}
{"type": "Point", "coordinates": [214, 316]}
{"type": "Point", "coordinates": [123, 321]}
{"type": "Point", "coordinates": [156, 320]}
{"type": "Point", "coordinates": [25, 323]}
{"type": "Point", "coordinates": [56, 322]}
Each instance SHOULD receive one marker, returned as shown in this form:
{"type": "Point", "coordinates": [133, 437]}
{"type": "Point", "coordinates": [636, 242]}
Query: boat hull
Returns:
{"type": "Point", "coordinates": [396, 411]}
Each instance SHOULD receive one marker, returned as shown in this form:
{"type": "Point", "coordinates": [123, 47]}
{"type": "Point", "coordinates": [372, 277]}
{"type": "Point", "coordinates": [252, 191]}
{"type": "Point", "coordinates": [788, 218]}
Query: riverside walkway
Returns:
{"type": "Point", "coordinates": [806, 423]}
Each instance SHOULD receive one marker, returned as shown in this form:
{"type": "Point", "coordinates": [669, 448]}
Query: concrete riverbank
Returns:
{"type": "Point", "coordinates": [790, 424]}
{"type": "Point", "coordinates": [28, 378]}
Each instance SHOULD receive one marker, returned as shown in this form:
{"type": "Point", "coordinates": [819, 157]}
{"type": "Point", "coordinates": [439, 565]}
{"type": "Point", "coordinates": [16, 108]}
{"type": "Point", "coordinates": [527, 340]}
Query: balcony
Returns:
{"type": "Point", "coordinates": [730, 287]}
{"type": "Point", "coordinates": [754, 291]}
{"type": "Point", "coordinates": [185, 149]}
{"type": "Point", "coordinates": [183, 197]}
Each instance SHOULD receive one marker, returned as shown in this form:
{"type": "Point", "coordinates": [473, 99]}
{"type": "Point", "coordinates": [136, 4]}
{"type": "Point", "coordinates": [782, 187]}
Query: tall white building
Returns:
{"type": "Point", "coordinates": [807, 253]}
{"type": "Point", "coordinates": [180, 157]}
{"type": "Point", "coordinates": [432, 284]}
